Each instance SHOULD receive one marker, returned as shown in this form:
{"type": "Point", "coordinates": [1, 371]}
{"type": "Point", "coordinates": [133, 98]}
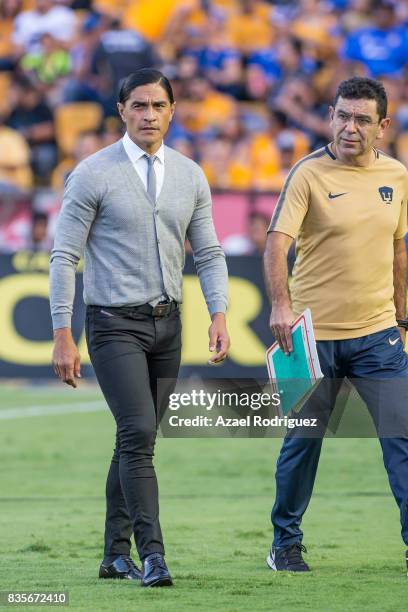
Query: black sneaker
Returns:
{"type": "Point", "coordinates": [406, 559]}
{"type": "Point", "coordinates": [287, 559]}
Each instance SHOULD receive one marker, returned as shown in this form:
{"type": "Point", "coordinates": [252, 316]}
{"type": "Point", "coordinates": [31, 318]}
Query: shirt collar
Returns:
{"type": "Point", "coordinates": [134, 152]}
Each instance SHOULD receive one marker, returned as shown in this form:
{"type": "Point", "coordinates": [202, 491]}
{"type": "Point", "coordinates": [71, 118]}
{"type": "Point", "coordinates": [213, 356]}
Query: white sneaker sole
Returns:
{"type": "Point", "coordinates": [271, 562]}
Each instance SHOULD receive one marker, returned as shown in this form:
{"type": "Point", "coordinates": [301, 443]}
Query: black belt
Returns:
{"type": "Point", "coordinates": [162, 309]}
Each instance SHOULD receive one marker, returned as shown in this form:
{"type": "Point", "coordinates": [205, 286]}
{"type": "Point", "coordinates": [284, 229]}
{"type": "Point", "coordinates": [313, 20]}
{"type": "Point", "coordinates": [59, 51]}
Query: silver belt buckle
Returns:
{"type": "Point", "coordinates": [161, 310]}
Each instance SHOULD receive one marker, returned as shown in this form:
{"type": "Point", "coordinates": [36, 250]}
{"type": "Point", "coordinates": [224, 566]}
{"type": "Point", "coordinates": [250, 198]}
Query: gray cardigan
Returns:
{"type": "Point", "coordinates": [134, 249]}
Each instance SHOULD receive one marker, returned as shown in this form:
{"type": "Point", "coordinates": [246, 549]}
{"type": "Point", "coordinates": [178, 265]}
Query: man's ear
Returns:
{"type": "Point", "coordinates": [331, 113]}
{"type": "Point", "coordinates": [173, 108]}
{"type": "Point", "coordinates": [121, 108]}
{"type": "Point", "coordinates": [384, 123]}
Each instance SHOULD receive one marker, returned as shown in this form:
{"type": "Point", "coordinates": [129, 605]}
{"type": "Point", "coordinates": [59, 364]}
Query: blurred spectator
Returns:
{"type": "Point", "coordinates": [258, 225]}
{"type": "Point", "coordinates": [316, 28]}
{"type": "Point", "coordinates": [187, 26]}
{"type": "Point", "coordinates": [184, 146]}
{"type": "Point", "coordinates": [113, 130]}
{"type": "Point", "coordinates": [289, 143]}
{"type": "Point", "coordinates": [153, 23]}
{"type": "Point", "coordinates": [47, 17]}
{"type": "Point", "coordinates": [39, 239]}
{"type": "Point", "coordinates": [81, 85]}
{"type": "Point", "coordinates": [219, 60]}
{"type": "Point", "coordinates": [298, 100]}
{"type": "Point", "coordinates": [215, 161]}
{"type": "Point", "coordinates": [269, 152]}
{"type": "Point", "coordinates": [120, 52]}
{"type": "Point", "coordinates": [177, 132]}
{"type": "Point", "coordinates": [267, 68]}
{"type": "Point", "coordinates": [81, 5]}
{"type": "Point", "coordinates": [15, 218]}
{"type": "Point", "coordinates": [382, 47]}
{"type": "Point", "coordinates": [32, 117]}
{"type": "Point", "coordinates": [87, 144]}
{"type": "Point", "coordinates": [187, 67]}
{"type": "Point", "coordinates": [250, 28]}
{"type": "Point", "coordinates": [294, 58]}
{"type": "Point", "coordinates": [204, 108]}
{"type": "Point", "coordinates": [14, 159]}
{"type": "Point", "coordinates": [254, 242]}
{"type": "Point", "coordinates": [225, 165]}
{"type": "Point", "coordinates": [356, 16]}
{"type": "Point", "coordinates": [225, 159]}
{"type": "Point", "coordinates": [9, 9]}
{"type": "Point", "coordinates": [49, 63]}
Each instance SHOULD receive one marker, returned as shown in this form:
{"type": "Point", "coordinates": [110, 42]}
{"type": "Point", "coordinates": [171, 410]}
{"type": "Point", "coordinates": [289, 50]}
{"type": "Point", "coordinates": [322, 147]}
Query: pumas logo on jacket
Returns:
{"type": "Point", "coordinates": [386, 194]}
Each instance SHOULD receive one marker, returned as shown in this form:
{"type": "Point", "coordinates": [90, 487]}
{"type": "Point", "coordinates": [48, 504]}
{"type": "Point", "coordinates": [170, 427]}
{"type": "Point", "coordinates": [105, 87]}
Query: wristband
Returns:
{"type": "Point", "coordinates": [402, 323]}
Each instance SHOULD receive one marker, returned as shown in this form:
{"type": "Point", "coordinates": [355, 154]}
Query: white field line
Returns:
{"type": "Point", "coordinates": [35, 411]}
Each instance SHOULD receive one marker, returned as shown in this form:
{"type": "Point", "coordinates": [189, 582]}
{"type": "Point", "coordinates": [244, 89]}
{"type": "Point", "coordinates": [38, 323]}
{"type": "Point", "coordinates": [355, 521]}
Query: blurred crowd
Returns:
{"type": "Point", "coordinates": [252, 78]}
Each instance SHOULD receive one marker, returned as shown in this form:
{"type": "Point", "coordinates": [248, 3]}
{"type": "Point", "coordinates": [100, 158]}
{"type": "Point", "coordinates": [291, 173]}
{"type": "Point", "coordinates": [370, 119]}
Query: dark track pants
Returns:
{"type": "Point", "coordinates": [129, 352]}
{"type": "Point", "coordinates": [377, 366]}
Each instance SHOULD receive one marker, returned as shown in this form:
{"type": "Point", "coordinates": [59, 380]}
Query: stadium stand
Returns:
{"type": "Point", "coordinates": [71, 120]}
{"type": "Point", "coordinates": [252, 79]}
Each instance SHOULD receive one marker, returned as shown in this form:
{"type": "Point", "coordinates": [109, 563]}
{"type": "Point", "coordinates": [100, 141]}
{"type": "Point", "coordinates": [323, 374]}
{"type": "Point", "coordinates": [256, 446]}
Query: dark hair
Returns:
{"type": "Point", "coordinates": [388, 5]}
{"type": "Point", "coordinates": [358, 88]}
{"type": "Point", "coordinates": [39, 217]}
{"type": "Point", "coordinates": [24, 82]}
{"type": "Point", "coordinates": [296, 43]}
{"type": "Point", "coordinates": [279, 116]}
{"type": "Point", "coordinates": [144, 76]}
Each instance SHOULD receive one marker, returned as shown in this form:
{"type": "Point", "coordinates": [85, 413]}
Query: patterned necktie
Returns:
{"type": "Point", "coordinates": [151, 177]}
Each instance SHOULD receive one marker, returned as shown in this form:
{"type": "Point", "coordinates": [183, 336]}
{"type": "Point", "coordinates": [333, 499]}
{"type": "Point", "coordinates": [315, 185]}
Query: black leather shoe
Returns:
{"type": "Point", "coordinates": [155, 572]}
{"type": "Point", "coordinates": [122, 568]}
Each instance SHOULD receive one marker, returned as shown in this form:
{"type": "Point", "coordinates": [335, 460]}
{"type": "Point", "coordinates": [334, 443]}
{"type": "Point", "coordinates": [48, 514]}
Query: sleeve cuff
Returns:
{"type": "Point", "coordinates": [61, 320]}
{"type": "Point", "coordinates": [282, 230]}
{"type": "Point", "coordinates": [219, 306]}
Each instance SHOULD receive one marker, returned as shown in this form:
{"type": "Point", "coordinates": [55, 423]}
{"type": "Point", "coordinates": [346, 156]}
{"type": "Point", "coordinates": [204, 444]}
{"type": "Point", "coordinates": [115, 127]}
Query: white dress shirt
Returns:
{"type": "Point", "coordinates": [140, 163]}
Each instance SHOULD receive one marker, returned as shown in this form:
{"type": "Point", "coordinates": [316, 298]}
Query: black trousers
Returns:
{"type": "Point", "coordinates": [130, 351]}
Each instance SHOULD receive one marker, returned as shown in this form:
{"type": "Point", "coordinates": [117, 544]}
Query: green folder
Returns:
{"type": "Point", "coordinates": [296, 375]}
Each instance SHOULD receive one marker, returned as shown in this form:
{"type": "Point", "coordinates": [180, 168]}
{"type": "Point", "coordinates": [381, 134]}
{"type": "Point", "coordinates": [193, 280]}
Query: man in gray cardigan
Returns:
{"type": "Point", "coordinates": [128, 209]}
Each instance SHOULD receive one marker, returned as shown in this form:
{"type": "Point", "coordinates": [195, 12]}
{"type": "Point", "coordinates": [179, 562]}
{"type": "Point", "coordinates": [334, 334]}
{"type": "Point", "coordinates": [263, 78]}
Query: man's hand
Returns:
{"type": "Point", "coordinates": [280, 323]}
{"type": "Point", "coordinates": [65, 357]}
{"type": "Point", "coordinates": [219, 338]}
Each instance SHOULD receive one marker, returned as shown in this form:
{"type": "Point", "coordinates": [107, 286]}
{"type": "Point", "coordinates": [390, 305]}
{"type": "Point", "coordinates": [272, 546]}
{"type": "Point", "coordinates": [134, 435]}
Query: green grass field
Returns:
{"type": "Point", "coordinates": [216, 496]}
